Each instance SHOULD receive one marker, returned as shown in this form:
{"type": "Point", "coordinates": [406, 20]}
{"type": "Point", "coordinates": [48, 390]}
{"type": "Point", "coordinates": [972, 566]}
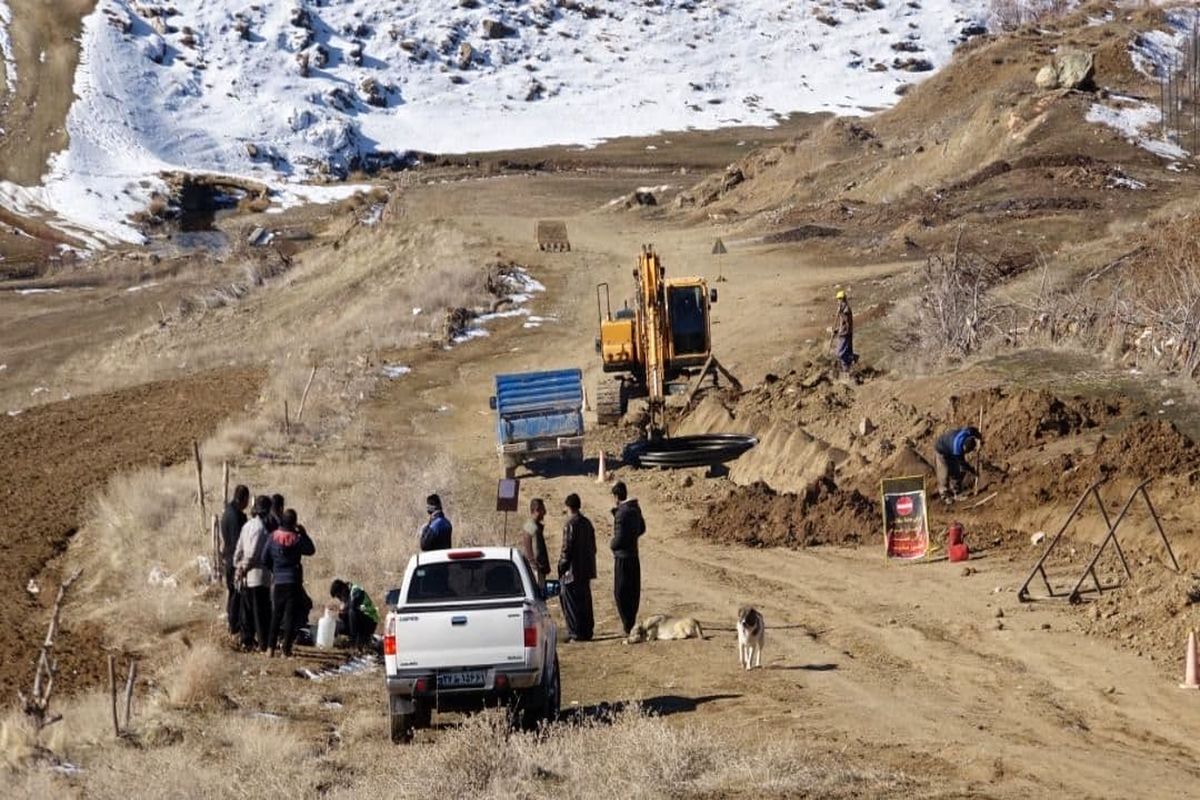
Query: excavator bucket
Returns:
{"type": "Point", "coordinates": [551, 235]}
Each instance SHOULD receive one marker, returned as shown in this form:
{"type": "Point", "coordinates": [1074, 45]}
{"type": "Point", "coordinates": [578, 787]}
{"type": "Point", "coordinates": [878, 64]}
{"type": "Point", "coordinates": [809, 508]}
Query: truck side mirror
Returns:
{"type": "Point", "coordinates": [392, 598]}
{"type": "Point", "coordinates": [492, 402]}
{"type": "Point", "coordinates": [553, 588]}
{"type": "Point", "coordinates": [712, 295]}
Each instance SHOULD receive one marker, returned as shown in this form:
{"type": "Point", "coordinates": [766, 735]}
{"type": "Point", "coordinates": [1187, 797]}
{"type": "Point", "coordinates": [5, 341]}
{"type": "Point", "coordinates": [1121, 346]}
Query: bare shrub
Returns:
{"type": "Point", "coordinates": [958, 312]}
{"type": "Point", "coordinates": [201, 676]}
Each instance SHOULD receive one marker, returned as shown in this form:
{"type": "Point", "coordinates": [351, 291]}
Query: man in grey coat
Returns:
{"type": "Point", "coordinates": [254, 581]}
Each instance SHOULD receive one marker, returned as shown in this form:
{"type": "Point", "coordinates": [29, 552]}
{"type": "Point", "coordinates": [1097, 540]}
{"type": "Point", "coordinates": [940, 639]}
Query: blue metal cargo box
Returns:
{"type": "Point", "coordinates": [539, 405]}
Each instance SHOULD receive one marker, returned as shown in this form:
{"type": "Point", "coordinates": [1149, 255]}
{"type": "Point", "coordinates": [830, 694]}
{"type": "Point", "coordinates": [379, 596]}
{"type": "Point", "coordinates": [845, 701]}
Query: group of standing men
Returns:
{"type": "Point", "coordinates": [577, 560]}
{"type": "Point", "coordinates": [261, 556]}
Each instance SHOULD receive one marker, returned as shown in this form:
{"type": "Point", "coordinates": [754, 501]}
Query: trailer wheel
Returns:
{"type": "Point", "coordinates": [508, 465]}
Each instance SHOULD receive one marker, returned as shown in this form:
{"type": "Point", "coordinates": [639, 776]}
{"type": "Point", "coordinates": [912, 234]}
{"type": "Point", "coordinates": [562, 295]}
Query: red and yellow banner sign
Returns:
{"type": "Point", "coordinates": [905, 521]}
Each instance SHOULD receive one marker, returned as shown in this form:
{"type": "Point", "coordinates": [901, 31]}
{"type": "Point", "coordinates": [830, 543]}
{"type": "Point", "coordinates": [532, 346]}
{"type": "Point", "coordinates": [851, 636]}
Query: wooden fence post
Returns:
{"type": "Point", "coordinates": [200, 485]}
{"type": "Point", "coordinates": [129, 691]}
{"type": "Point", "coordinates": [112, 691]}
{"type": "Point", "coordinates": [304, 396]}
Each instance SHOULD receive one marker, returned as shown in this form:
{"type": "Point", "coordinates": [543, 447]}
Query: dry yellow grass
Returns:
{"type": "Point", "coordinates": [201, 676]}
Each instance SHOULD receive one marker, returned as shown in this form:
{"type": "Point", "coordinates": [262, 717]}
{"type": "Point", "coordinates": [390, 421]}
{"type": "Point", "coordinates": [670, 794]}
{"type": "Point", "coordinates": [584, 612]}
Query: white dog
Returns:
{"type": "Point", "coordinates": [661, 628]}
{"type": "Point", "coordinates": [751, 634]}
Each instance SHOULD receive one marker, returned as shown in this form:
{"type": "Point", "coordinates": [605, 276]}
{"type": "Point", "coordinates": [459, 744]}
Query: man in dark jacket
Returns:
{"type": "Point", "coordinates": [359, 616]}
{"type": "Point", "coordinates": [628, 525]}
{"type": "Point", "coordinates": [437, 532]}
{"type": "Point", "coordinates": [950, 459]}
{"type": "Point", "coordinates": [276, 513]}
{"type": "Point", "coordinates": [284, 550]}
{"type": "Point", "coordinates": [231, 528]}
{"type": "Point", "coordinates": [577, 570]}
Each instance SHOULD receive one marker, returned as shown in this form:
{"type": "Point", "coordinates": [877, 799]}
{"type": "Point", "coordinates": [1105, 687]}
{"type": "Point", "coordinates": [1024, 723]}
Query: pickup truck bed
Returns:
{"type": "Point", "coordinates": [468, 629]}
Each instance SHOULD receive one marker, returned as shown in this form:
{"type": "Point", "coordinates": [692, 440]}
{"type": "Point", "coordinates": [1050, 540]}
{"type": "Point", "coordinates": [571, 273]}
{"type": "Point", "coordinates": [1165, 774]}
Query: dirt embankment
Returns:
{"type": "Point", "coordinates": [55, 459]}
{"type": "Point", "coordinates": [824, 445]}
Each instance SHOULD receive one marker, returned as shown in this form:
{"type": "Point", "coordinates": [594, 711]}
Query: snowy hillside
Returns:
{"type": "Point", "coordinates": [292, 89]}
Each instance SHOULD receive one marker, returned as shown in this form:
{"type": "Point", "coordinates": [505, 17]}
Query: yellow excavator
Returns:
{"type": "Point", "coordinates": [661, 347]}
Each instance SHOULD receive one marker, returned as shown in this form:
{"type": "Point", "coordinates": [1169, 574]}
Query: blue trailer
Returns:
{"type": "Point", "coordinates": [539, 415]}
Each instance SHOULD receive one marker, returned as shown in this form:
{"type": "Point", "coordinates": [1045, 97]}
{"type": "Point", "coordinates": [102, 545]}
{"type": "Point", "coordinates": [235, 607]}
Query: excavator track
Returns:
{"type": "Point", "coordinates": [610, 400]}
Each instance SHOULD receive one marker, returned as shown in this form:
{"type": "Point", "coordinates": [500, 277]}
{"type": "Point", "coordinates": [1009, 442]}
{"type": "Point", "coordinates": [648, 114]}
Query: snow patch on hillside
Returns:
{"type": "Point", "coordinates": [287, 91]}
{"type": "Point", "coordinates": [6, 48]}
{"type": "Point", "coordinates": [1138, 122]}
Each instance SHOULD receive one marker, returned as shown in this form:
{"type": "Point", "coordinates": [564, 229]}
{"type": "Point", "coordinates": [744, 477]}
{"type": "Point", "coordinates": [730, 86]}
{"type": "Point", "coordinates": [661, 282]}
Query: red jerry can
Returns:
{"type": "Point", "coordinates": [956, 548]}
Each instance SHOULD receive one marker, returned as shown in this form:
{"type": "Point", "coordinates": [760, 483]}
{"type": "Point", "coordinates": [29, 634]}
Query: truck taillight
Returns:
{"type": "Point", "coordinates": [530, 630]}
{"type": "Point", "coordinates": [389, 638]}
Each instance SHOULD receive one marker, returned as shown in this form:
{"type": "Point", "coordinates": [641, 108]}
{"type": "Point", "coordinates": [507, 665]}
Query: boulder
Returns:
{"type": "Point", "coordinates": [466, 54]}
{"type": "Point", "coordinates": [1046, 78]}
{"type": "Point", "coordinates": [1075, 69]}
{"type": "Point", "coordinates": [494, 29]}
{"type": "Point", "coordinates": [372, 92]}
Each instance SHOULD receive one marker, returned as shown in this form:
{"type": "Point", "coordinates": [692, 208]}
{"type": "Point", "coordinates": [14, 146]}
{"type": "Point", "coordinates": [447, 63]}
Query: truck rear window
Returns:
{"type": "Point", "coordinates": [465, 580]}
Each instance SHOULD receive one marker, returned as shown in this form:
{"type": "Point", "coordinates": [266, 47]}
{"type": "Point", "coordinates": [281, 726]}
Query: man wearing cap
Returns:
{"type": "Point", "coordinates": [950, 460]}
{"type": "Point", "coordinates": [628, 526]}
{"type": "Point", "coordinates": [254, 582]}
{"type": "Point", "coordinates": [841, 340]}
{"type": "Point", "coordinates": [436, 533]}
{"type": "Point", "coordinates": [577, 570]}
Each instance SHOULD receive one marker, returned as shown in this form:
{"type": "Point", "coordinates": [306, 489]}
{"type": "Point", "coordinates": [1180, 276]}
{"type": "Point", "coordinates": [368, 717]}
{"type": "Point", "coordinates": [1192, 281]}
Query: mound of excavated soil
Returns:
{"type": "Point", "coordinates": [758, 516]}
{"type": "Point", "coordinates": [1149, 448]}
{"type": "Point", "coordinates": [1146, 449]}
{"type": "Point", "coordinates": [1022, 419]}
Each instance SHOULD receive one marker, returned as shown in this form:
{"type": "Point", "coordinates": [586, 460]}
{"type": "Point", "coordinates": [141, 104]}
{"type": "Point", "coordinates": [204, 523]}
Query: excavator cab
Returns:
{"type": "Point", "coordinates": [688, 323]}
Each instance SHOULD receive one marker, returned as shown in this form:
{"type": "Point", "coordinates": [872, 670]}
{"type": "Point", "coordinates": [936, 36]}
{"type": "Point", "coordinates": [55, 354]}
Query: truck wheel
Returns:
{"type": "Point", "coordinates": [541, 703]}
{"type": "Point", "coordinates": [553, 701]}
{"type": "Point", "coordinates": [402, 728]}
{"type": "Point", "coordinates": [423, 716]}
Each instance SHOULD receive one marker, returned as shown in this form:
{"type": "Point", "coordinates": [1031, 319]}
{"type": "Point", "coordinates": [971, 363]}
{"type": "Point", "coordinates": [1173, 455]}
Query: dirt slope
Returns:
{"type": "Point", "coordinates": [56, 457]}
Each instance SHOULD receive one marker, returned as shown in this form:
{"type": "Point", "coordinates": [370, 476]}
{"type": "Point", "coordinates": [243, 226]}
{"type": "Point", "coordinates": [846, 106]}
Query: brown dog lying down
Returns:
{"type": "Point", "coordinates": [662, 628]}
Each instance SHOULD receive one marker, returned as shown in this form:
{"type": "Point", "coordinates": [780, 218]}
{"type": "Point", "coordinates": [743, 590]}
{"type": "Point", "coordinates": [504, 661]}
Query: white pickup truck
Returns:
{"type": "Point", "coordinates": [469, 628]}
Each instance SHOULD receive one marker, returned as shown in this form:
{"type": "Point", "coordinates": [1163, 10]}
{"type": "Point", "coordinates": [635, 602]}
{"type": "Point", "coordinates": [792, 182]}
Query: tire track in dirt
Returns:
{"type": "Point", "coordinates": [56, 457]}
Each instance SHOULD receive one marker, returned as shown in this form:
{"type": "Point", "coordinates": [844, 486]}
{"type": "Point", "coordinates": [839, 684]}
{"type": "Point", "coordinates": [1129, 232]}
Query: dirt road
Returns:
{"type": "Point", "coordinates": [908, 666]}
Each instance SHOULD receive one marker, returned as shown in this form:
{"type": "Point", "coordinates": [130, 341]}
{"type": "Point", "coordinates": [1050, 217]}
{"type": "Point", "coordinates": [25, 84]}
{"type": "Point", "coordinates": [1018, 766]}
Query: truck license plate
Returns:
{"type": "Point", "coordinates": [460, 680]}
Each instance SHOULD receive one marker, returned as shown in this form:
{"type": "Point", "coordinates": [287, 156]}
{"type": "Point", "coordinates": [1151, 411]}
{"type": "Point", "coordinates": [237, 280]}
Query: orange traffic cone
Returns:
{"type": "Point", "coordinates": [1189, 671]}
{"type": "Point", "coordinates": [602, 472]}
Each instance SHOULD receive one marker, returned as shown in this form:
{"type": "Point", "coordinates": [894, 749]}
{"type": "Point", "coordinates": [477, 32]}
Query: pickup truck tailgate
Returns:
{"type": "Point", "coordinates": [484, 634]}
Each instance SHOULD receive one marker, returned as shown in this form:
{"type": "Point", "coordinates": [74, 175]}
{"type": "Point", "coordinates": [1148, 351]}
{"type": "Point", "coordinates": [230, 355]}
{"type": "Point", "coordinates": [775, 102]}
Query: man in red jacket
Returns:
{"type": "Point", "coordinates": [283, 553]}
